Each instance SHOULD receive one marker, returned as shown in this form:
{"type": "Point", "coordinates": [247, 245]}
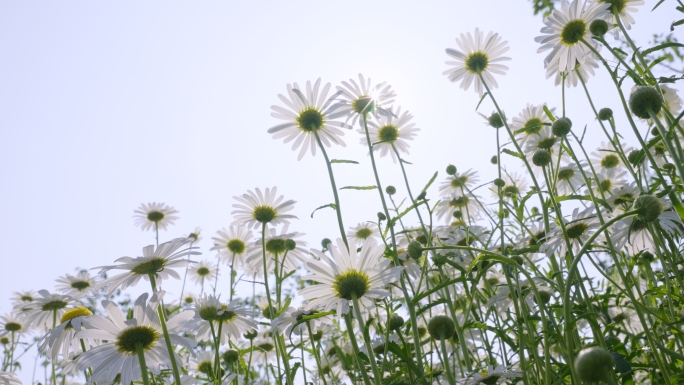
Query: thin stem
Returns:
{"type": "Point", "coordinates": [369, 348]}
{"type": "Point", "coordinates": [143, 365]}
{"type": "Point", "coordinates": [167, 338]}
{"type": "Point", "coordinates": [446, 365]}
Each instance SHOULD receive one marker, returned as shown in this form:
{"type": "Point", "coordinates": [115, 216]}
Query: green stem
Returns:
{"type": "Point", "coordinates": [143, 365]}
{"type": "Point", "coordinates": [447, 365]}
{"type": "Point", "coordinates": [355, 346]}
{"type": "Point", "coordinates": [369, 348]}
{"type": "Point", "coordinates": [316, 355]}
{"type": "Point", "coordinates": [167, 339]}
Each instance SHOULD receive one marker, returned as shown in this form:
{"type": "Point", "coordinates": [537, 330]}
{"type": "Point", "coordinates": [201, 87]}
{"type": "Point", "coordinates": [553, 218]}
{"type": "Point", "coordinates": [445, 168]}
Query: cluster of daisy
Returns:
{"type": "Point", "coordinates": [565, 267]}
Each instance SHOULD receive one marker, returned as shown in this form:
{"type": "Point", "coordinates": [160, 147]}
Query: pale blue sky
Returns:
{"type": "Point", "coordinates": [107, 105]}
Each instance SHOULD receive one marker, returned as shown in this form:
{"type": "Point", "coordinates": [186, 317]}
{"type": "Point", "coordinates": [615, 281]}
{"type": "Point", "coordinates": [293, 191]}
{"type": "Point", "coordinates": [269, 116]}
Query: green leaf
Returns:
{"type": "Point", "coordinates": [549, 114]}
{"type": "Point", "coordinates": [331, 205]}
{"type": "Point", "coordinates": [293, 371]}
{"type": "Point", "coordinates": [513, 153]}
{"type": "Point", "coordinates": [621, 365]}
{"type": "Point", "coordinates": [431, 180]}
{"type": "Point", "coordinates": [358, 188]}
{"type": "Point", "coordinates": [663, 46]}
{"type": "Point", "coordinates": [481, 100]}
{"type": "Point", "coordinates": [343, 161]}
{"type": "Point", "coordinates": [657, 5]}
{"type": "Point", "coordinates": [656, 61]}
{"type": "Point", "coordinates": [582, 198]}
{"type": "Point", "coordinates": [442, 285]}
{"type": "Point", "coordinates": [309, 318]}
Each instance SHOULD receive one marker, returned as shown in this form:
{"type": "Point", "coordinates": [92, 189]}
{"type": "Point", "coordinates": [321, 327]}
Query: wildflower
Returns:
{"type": "Point", "coordinates": [569, 179]}
{"type": "Point", "coordinates": [478, 56]}
{"type": "Point", "coordinates": [578, 231]}
{"type": "Point", "coordinates": [492, 376]}
{"type": "Point", "coordinates": [349, 275]}
{"type": "Point", "coordinates": [23, 297]}
{"type": "Point", "coordinates": [609, 180]}
{"type": "Point", "coordinates": [233, 245]}
{"type": "Point", "coordinates": [11, 324]}
{"type": "Point", "coordinates": [195, 235]}
{"type": "Point", "coordinates": [157, 215]}
{"type": "Point", "coordinates": [364, 98]}
{"type": "Point", "coordinates": [576, 74]}
{"type": "Point", "coordinates": [390, 132]}
{"type": "Point", "coordinates": [201, 272]}
{"type": "Point", "coordinates": [257, 208]}
{"type": "Point", "coordinates": [530, 122]}
{"type": "Point", "coordinates": [61, 339]}
{"type": "Point", "coordinates": [623, 10]}
{"type": "Point", "coordinates": [9, 378]}
{"type": "Point", "coordinates": [459, 183]}
{"type": "Point", "coordinates": [44, 310]}
{"type": "Point", "coordinates": [76, 286]}
{"type": "Point", "coordinates": [276, 249]}
{"type": "Point", "coordinates": [307, 116]}
{"type": "Point", "coordinates": [362, 231]}
{"type": "Point", "coordinates": [232, 319]}
{"type": "Point", "coordinates": [564, 31]}
{"type": "Point", "coordinates": [466, 204]}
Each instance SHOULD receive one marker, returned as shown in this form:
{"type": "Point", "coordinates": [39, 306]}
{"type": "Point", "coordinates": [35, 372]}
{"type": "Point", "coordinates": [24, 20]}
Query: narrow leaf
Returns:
{"type": "Point", "coordinates": [343, 161]}
{"type": "Point", "coordinates": [512, 153]}
{"type": "Point", "coordinates": [549, 114]}
{"type": "Point", "coordinates": [331, 205]}
{"type": "Point", "coordinates": [663, 46]}
{"type": "Point", "coordinates": [358, 188]}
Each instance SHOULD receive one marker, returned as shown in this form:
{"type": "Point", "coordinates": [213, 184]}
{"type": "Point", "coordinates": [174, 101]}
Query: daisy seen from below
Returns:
{"type": "Point", "coordinates": [155, 215]}
{"type": "Point", "coordinates": [11, 327]}
{"type": "Point", "coordinates": [363, 231]}
{"type": "Point", "coordinates": [23, 297]}
{"type": "Point", "coordinates": [76, 286]}
{"type": "Point", "coordinates": [195, 235]}
{"type": "Point", "coordinates": [233, 245]}
{"type": "Point", "coordinates": [492, 376]}
{"type": "Point", "coordinates": [579, 229]}
{"type": "Point", "coordinates": [564, 31]}
{"type": "Point", "coordinates": [127, 338]}
{"type": "Point", "coordinates": [477, 56]}
{"type": "Point", "coordinates": [634, 233]}
{"type": "Point", "coordinates": [606, 158]}
{"type": "Point", "coordinates": [622, 9]}
{"type": "Point", "coordinates": [44, 311]}
{"type": "Point", "coordinates": [390, 133]}
{"type": "Point", "coordinates": [155, 264]}
{"type": "Point", "coordinates": [349, 275]}
{"type": "Point", "coordinates": [201, 272]}
{"type": "Point", "coordinates": [568, 179]}
{"type": "Point", "coordinates": [255, 208]}
{"type": "Point", "coordinates": [458, 208]}
{"type": "Point", "coordinates": [580, 72]}
{"type": "Point", "coordinates": [282, 247]}
{"type": "Point", "coordinates": [230, 320]}
{"type": "Point", "coordinates": [609, 180]}
{"type": "Point", "coordinates": [530, 122]}
{"type": "Point", "coordinates": [364, 98]}
{"type": "Point", "coordinates": [309, 117]}
{"type": "Point", "coordinates": [61, 339]}
{"type": "Point", "coordinates": [9, 378]}
{"type": "Point", "coordinates": [459, 183]}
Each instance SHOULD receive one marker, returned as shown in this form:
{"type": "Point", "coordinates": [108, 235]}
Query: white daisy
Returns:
{"type": "Point", "coordinates": [233, 245]}
{"type": "Point", "coordinates": [459, 183]}
{"type": "Point", "coordinates": [623, 9]}
{"type": "Point", "coordinates": [466, 205]}
{"type": "Point", "coordinates": [568, 179]}
{"type": "Point", "coordinates": [195, 235]}
{"type": "Point", "coordinates": [9, 378]}
{"type": "Point", "coordinates": [572, 76]}
{"type": "Point", "coordinates": [622, 314]}
{"type": "Point", "coordinates": [276, 248]}
{"type": "Point", "coordinates": [605, 157]}
{"type": "Point", "coordinates": [155, 215]}
{"type": "Point", "coordinates": [609, 180]}
{"type": "Point", "coordinates": [514, 185]}
{"type": "Point", "coordinates": [160, 262]}
{"type": "Point", "coordinates": [530, 122]}
{"type": "Point", "coordinates": [504, 297]}
{"type": "Point", "coordinates": [201, 272]}
{"type": "Point", "coordinates": [120, 354]}
{"type": "Point", "coordinates": [348, 274]}
{"type": "Point", "coordinates": [306, 115]}
{"type": "Point", "coordinates": [671, 101]}
{"type": "Point", "coordinates": [492, 376]}
{"type": "Point", "coordinates": [61, 339]}
{"type": "Point", "coordinates": [393, 129]}
{"type": "Point", "coordinates": [461, 235]}
{"type": "Point", "coordinates": [544, 140]}
{"type": "Point", "coordinates": [364, 98]}
{"type": "Point", "coordinates": [633, 233]}
{"type": "Point", "coordinates": [478, 55]}
{"type": "Point", "coordinates": [203, 363]}
{"type": "Point", "coordinates": [44, 310]}
{"type": "Point", "coordinates": [254, 209]}
{"type": "Point", "coordinates": [76, 286]}
{"type": "Point", "coordinates": [11, 325]}
{"type": "Point", "coordinates": [564, 31]}
{"type": "Point", "coordinates": [285, 323]}
{"type": "Point", "coordinates": [363, 231]}
{"type": "Point", "coordinates": [23, 297]}
{"type": "Point", "coordinates": [232, 319]}
{"type": "Point", "coordinates": [579, 229]}
{"type": "Point", "coordinates": [623, 197]}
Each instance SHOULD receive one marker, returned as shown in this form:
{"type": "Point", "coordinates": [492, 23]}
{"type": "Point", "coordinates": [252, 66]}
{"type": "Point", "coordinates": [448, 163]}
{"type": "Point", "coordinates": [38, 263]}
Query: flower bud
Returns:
{"type": "Point", "coordinates": [498, 182]}
{"type": "Point", "coordinates": [439, 259]}
{"type": "Point", "coordinates": [325, 242]}
{"type": "Point", "coordinates": [648, 208]}
{"type": "Point", "coordinates": [605, 114]}
{"type": "Point", "coordinates": [290, 244]}
{"type": "Point", "coordinates": [458, 214]}
{"type": "Point", "coordinates": [451, 169]}
{"type": "Point", "coordinates": [561, 127]}
{"type": "Point", "coordinates": [421, 196]}
{"type": "Point", "coordinates": [395, 322]}
{"type": "Point", "coordinates": [381, 216]}
{"type": "Point", "coordinates": [541, 158]}
{"type": "Point", "coordinates": [495, 120]}
{"type": "Point", "coordinates": [250, 335]}
{"type": "Point", "coordinates": [415, 250]}
{"type": "Point", "coordinates": [441, 327]}
{"type": "Point", "coordinates": [644, 99]}
{"type": "Point", "coordinates": [594, 364]}
{"type": "Point", "coordinates": [494, 160]}
{"type": "Point", "coordinates": [230, 356]}
{"type": "Point", "coordinates": [390, 190]}
{"type": "Point", "coordinates": [632, 157]}
{"type": "Point", "coordinates": [598, 27]}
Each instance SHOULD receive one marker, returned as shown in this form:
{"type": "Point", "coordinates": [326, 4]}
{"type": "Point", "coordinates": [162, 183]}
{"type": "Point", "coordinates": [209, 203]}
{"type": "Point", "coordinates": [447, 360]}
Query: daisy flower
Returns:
{"type": "Point", "coordinates": [11, 324]}
{"type": "Point", "coordinates": [465, 205]}
{"type": "Point", "coordinates": [461, 236]}
{"type": "Point", "coordinates": [233, 245]}
{"type": "Point", "coordinates": [232, 319]}
{"type": "Point", "coordinates": [564, 31]}
{"type": "Point", "coordinates": [605, 157]}
{"type": "Point", "coordinates": [347, 275]}
{"type": "Point", "coordinates": [285, 323]}
{"type": "Point", "coordinates": [455, 184]}
{"type": "Point", "coordinates": [578, 73]}
{"type": "Point", "coordinates": [160, 263]}
{"type": "Point", "coordinates": [622, 314]}
{"type": "Point", "coordinates": [391, 130]}
{"type": "Point", "coordinates": [622, 9]}
{"type": "Point", "coordinates": [9, 378]}
{"type": "Point", "coordinates": [203, 363]}
{"type": "Point", "coordinates": [155, 215]}
{"type": "Point", "coordinates": [23, 297]}
{"type": "Point", "coordinates": [634, 234]}
{"type": "Point", "coordinates": [44, 310]}
{"type": "Point", "coordinates": [504, 297]}
{"type": "Point", "coordinates": [609, 180]}
{"type": "Point", "coordinates": [263, 350]}
{"type": "Point", "coordinates": [363, 231]}
{"type": "Point", "coordinates": [568, 179]}
{"type": "Point", "coordinates": [515, 185]}
{"type": "Point", "coordinates": [201, 272]}
{"type": "Point", "coordinates": [579, 229]}
{"type": "Point", "coordinates": [194, 236]}
{"type": "Point", "coordinates": [477, 56]}
{"type": "Point", "coordinates": [530, 122]}
{"type": "Point", "coordinates": [672, 102]}
{"type": "Point", "coordinates": [61, 339]}
{"type": "Point", "coordinates": [492, 376]}
{"type": "Point", "coordinates": [277, 243]}
{"type": "Point", "coordinates": [119, 355]}
{"type": "Point", "coordinates": [76, 286]}
{"type": "Point", "coordinates": [363, 98]}
{"type": "Point", "coordinates": [623, 197]}
{"type": "Point", "coordinates": [307, 115]}
{"type": "Point", "coordinates": [257, 208]}
{"type": "Point", "coordinates": [543, 140]}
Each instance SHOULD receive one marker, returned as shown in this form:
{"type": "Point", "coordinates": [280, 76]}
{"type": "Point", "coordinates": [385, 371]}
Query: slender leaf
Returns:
{"type": "Point", "coordinates": [358, 188]}
{"type": "Point", "coordinates": [331, 205]}
{"type": "Point", "coordinates": [343, 161]}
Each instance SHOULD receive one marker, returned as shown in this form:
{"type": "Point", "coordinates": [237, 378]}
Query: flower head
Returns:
{"type": "Point", "coordinates": [43, 310]}
{"type": "Point", "coordinates": [276, 250]}
{"type": "Point", "coordinates": [363, 231]}
{"type": "Point", "coordinates": [76, 286]}
{"type": "Point", "coordinates": [364, 98]}
{"type": "Point", "coordinates": [390, 132]}
{"type": "Point", "coordinates": [154, 215]}
{"type": "Point", "coordinates": [234, 320]}
{"type": "Point", "coordinates": [530, 122]}
{"type": "Point", "coordinates": [233, 245]}
{"type": "Point", "coordinates": [254, 209]}
{"type": "Point", "coordinates": [623, 10]}
{"type": "Point", "coordinates": [307, 116]}
{"type": "Point", "coordinates": [478, 56]}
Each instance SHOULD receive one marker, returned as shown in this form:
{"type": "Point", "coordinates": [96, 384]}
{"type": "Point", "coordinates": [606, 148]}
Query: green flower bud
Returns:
{"type": "Point", "coordinates": [643, 99]}
{"type": "Point", "coordinates": [441, 327]}
{"type": "Point", "coordinates": [495, 120]}
{"type": "Point", "coordinates": [415, 250]}
{"type": "Point", "coordinates": [451, 169]}
{"type": "Point", "coordinates": [498, 182]}
{"type": "Point", "coordinates": [395, 322]}
{"type": "Point", "coordinates": [390, 190]}
{"type": "Point", "coordinates": [545, 297]}
{"type": "Point", "coordinates": [250, 335]}
{"type": "Point", "coordinates": [230, 356]}
{"type": "Point", "coordinates": [648, 208]}
{"type": "Point", "coordinates": [632, 157]}
{"type": "Point", "coordinates": [541, 158]}
{"type": "Point", "coordinates": [594, 365]}
{"type": "Point", "coordinates": [439, 259]}
{"type": "Point", "coordinates": [458, 214]}
{"type": "Point", "coordinates": [381, 216]}
{"type": "Point", "coordinates": [494, 160]}
{"type": "Point", "coordinates": [605, 114]}
{"type": "Point", "coordinates": [561, 127]}
{"type": "Point", "coordinates": [325, 242]}
{"type": "Point", "coordinates": [290, 244]}
{"type": "Point", "coordinates": [598, 27]}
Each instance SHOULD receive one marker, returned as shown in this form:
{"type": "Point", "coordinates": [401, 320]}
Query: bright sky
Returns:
{"type": "Point", "coordinates": [104, 106]}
